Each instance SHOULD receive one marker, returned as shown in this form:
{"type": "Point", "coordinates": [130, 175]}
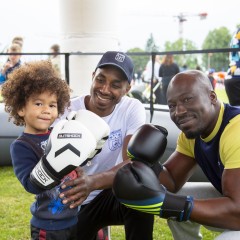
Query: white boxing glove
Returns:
{"type": "Point", "coordinates": [95, 124]}
{"type": "Point", "coordinates": [69, 145]}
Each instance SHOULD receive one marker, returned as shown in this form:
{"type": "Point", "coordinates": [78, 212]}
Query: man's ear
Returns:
{"type": "Point", "coordinates": [213, 97]}
{"type": "Point", "coordinates": [128, 88]}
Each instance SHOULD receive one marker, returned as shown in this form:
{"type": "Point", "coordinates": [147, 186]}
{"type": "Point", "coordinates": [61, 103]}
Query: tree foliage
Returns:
{"type": "Point", "coordinates": [189, 60]}
{"type": "Point", "coordinates": [216, 39]}
{"type": "Point", "coordinates": [151, 46]}
{"type": "Point", "coordinates": [139, 61]}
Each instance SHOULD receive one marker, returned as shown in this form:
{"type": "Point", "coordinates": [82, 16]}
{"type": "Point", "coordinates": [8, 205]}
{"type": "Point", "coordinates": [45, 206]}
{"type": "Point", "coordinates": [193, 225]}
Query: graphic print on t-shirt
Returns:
{"type": "Point", "coordinates": [115, 140]}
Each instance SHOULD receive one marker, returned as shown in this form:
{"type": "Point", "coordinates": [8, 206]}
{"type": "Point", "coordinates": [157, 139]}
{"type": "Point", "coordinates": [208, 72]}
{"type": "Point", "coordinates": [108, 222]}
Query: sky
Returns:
{"type": "Point", "coordinates": [159, 18]}
{"type": "Point", "coordinates": [38, 21]}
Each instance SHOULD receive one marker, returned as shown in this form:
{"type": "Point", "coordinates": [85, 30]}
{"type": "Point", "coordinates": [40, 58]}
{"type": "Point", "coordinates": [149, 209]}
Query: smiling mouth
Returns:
{"type": "Point", "coordinates": [45, 119]}
{"type": "Point", "coordinates": [103, 98]}
{"type": "Point", "coordinates": [183, 122]}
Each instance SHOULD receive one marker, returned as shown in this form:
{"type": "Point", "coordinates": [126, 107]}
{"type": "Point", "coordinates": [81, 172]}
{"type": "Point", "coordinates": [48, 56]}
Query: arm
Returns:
{"type": "Point", "coordinates": [223, 212]}
{"type": "Point", "coordinates": [24, 160]}
{"type": "Point", "coordinates": [124, 149]}
{"type": "Point", "coordinates": [85, 184]}
{"type": "Point", "coordinates": [180, 165]}
{"type": "Point", "coordinates": [6, 66]}
{"type": "Point", "coordinates": [176, 171]}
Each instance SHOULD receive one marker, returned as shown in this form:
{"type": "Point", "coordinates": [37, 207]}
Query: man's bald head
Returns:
{"type": "Point", "coordinates": [193, 78]}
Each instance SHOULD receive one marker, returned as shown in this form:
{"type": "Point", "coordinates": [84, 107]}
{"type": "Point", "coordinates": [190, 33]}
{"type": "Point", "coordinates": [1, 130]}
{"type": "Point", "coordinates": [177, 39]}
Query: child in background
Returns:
{"type": "Point", "coordinates": [55, 58]}
{"type": "Point", "coordinates": [12, 63]}
{"type": "Point", "coordinates": [34, 97]}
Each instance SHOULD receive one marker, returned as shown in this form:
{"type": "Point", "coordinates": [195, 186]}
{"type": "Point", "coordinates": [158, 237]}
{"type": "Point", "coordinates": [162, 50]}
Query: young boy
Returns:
{"type": "Point", "coordinates": [34, 97]}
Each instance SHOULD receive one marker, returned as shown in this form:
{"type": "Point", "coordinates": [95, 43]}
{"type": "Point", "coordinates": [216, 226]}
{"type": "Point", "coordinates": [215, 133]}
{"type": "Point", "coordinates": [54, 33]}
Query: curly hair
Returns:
{"type": "Point", "coordinates": [31, 79]}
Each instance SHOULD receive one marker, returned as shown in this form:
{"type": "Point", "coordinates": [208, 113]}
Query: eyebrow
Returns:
{"type": "Point", "coordinates": [41, 99]}
{"type": "Point", "coordinates": [116, 80]}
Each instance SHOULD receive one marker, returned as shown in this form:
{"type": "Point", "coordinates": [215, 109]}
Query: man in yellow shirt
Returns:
{"type": "Point", "coordinates": [210, 138]}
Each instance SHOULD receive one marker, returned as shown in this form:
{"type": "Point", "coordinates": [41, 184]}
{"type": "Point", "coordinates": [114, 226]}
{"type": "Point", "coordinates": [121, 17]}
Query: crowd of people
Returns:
{"type": "Point", "coordinates": [90, 198]}
{"type": "Point", "coordinates": [14, 58]}
{"type": "Point", "coordinates": [164, 69]}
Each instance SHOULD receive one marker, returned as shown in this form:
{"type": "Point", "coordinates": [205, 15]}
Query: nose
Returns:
{"type": "Point", "coordinates": [105, 88]}
{"type": "Point", "coordinates": [180, 109]}
{"type": "Point", "coordinates": [46, 109]}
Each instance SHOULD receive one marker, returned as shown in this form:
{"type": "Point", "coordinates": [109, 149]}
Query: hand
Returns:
{"type": "Point", "coordinates": [79, 191]}
{"type": "Point", "coordinates": [6, 67]}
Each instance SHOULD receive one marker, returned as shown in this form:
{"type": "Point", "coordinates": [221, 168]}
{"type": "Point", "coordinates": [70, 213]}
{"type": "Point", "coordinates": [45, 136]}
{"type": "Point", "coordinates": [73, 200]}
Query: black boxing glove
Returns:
{"type": "Point", "coordinates": [136, 186]}
{"type": "Point", "coordinates": [147, 145]}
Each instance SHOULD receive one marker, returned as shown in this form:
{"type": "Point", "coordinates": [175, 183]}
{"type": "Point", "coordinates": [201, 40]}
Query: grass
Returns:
{"type": "Point", "coordinates": [14, 207]}
{"type": "Point", "coordinates": [221, 93]}
{"type": "Point", "coordinates": [15, 214]}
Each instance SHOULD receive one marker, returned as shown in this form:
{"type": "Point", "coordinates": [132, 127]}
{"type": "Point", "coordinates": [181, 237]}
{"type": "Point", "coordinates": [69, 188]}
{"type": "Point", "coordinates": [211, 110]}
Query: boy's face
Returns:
{"type": "Point", "coordinates": [39, 113]}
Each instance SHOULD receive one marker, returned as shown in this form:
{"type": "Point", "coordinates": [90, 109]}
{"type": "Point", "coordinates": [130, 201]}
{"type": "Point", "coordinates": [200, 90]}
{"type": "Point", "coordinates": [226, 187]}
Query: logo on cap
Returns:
{"type": "Point", "coordinates": [120, 57]}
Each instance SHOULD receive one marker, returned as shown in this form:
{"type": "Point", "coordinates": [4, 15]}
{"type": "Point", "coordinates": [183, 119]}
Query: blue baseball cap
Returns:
{"type": "Point", "coordinates": [119, 60]}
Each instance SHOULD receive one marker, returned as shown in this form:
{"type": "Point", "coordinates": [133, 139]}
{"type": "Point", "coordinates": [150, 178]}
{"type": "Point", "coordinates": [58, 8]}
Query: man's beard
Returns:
{"type": "Point", "coordinates": [193, 134]}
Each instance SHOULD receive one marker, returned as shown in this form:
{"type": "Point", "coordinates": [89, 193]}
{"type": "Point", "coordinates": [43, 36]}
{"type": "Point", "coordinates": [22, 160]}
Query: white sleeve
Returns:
{"type": "Point", "coordinates": [136, 116]}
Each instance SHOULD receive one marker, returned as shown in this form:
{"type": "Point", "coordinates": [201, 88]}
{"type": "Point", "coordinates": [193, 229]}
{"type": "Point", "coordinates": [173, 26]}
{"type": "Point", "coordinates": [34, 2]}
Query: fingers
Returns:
{"type": "Point", "coordinates": [79, 180]}
{"type": "Point", "coordinates": [75, 200]}
{"type": "Point", "coordinates": [70, 183]}
{"type": "Point", "coordinates": [79, 171]}
{"type": "Point", "coordinates": [77, 203]}
{"type": "Point", "coordinates": [78, 191]}
{"type": "Point", "coordinates": [76, 195]}
{"type": "Point", "coordinates": [76, 186]}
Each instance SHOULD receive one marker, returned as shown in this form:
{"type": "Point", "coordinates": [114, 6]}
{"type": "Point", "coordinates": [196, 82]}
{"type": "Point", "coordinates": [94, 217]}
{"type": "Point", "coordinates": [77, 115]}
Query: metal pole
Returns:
{"type": "Point", "coordinates": [67, 67]}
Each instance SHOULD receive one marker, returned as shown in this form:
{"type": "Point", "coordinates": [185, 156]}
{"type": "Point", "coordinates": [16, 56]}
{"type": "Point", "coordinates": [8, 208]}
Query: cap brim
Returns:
{"type": "Point", "coordinates": [113, 64]}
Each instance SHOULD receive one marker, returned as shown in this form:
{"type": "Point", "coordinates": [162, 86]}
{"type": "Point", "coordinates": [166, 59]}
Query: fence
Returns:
{"type": "Point", "coordinates": [67, 55]}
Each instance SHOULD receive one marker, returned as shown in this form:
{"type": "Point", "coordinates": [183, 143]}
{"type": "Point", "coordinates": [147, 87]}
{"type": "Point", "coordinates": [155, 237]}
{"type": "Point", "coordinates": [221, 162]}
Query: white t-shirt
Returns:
{"type": "Point", "coordinates": [128, 115]}
{"type": "Point", "coordinates": [148, 73]}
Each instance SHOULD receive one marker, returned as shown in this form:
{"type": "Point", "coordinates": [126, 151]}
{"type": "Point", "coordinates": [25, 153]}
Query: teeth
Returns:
{"type": "Point", "coordinates": [103, 99]}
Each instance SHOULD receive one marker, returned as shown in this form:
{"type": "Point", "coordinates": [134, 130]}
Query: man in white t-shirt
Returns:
{"type": "Point", "coordinates": [110, 83]}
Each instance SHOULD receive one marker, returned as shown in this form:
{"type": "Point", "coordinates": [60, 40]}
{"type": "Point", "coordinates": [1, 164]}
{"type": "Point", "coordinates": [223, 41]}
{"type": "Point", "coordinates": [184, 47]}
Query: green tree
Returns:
{"type": "Point", "coordinates": [139, 60]}
{"type": "Point", "coordinates": [189, 60]}
{"type": "Point", "coordinates": [151, 45]}
{"type": "Point", "coordinates": [217, 39]}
